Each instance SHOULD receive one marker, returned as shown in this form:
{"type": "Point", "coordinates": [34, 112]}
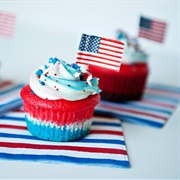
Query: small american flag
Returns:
{"type": "Point", "coordinates": [100, 51]}
{"type": "Point", "coordinates": [152, 29]}
{"type": "Point", "coordinates": [7, 24]}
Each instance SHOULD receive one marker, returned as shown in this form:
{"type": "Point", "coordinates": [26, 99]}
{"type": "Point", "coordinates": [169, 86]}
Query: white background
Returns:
{"type": "Point", "coordinates": [47, 29]}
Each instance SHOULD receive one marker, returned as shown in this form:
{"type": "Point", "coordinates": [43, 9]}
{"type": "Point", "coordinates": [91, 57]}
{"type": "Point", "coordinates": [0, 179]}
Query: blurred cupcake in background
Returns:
{"type": "Point", "coordinates": [129, 82]}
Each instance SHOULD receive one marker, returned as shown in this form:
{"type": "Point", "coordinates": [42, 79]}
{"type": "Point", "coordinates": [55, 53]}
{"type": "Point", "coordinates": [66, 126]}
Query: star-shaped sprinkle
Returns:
{"type": "Point", "coordinates": [75, 66]}
{"type": "Point", "coordinates": [45, 66]}
{"type": "Point", "coordinates": [39, 72]}
{"type": "Point", "coordinates": [53, 60]}
{"type": "Point", "coordinates": [42, 83]}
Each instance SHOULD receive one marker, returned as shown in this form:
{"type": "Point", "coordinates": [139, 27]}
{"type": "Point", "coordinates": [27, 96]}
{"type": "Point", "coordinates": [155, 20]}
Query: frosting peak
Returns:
{"type": "Point", "coordinates": [59, 80]}
{"type": "Point", "coordinates": [132, 51]}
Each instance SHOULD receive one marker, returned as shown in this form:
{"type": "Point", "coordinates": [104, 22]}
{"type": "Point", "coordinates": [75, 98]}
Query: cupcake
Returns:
{"type": "Point", "coordinates": [59, 101]}
{"type": "Point", "coordinates": [129, 82]}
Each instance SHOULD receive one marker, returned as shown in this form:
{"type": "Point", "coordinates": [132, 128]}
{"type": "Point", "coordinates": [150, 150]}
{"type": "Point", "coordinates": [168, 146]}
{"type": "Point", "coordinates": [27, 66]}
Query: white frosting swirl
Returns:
{"type": "Point", "coordinates": [59, 80]}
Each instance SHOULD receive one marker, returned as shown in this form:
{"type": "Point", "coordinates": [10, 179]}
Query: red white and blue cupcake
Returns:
{"type": "Point", "coordinates": [59, 101]}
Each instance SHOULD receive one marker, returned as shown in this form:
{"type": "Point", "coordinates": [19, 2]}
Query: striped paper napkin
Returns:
{"type": "Point", "coordinates": [104, 146]}
{"type": "Point", "coordinates": [9, 96]}
{"type": "Point", "coordinates": [154, 109]}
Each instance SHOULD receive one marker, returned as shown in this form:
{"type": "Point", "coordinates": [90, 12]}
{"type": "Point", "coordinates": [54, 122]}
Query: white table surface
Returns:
{"type": "Point", "coordinates": [153, 153]}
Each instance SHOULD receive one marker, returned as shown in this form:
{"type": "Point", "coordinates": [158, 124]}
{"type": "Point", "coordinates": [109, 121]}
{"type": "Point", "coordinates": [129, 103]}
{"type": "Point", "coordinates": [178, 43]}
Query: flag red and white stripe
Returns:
{"type": "Point", "coordinates": [99, 51]}
{"type": "Point", "coordinates": [7, 24]}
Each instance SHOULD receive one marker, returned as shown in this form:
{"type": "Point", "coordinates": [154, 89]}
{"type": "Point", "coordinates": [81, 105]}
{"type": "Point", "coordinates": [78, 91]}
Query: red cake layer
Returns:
{"type": "Point", "coordinates": [127, 84]}
{"type": "Point", "coordinates": [60, 111]}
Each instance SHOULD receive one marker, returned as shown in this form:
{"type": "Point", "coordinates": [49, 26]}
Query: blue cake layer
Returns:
{"type": "Point", "coordinates": [52, 132]}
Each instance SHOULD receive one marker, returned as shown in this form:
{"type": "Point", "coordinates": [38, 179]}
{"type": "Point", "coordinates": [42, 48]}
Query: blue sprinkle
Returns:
{"type": "Point", "coordinates": [32, 92]}
{"type": "Point", "coordinates": [45, 66]}
{"type": "Point", "coordinates": [37, 107]}
{"type": "Point", "coordinates": [42, 83]}
{"type": "Point", "coordinates": [53, 60]}
{"type": "Point", "coordinates": [81, 77]}
{"type": "Point", "coordinates": [75, 66]}
{"type": "Point", "coordinates": [39, 72]}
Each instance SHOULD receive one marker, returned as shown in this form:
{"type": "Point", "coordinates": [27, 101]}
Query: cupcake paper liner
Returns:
{"type": "Point", "coordinates": [128, 84]}
{"type": "Point", "coordinates": [52, 132]}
